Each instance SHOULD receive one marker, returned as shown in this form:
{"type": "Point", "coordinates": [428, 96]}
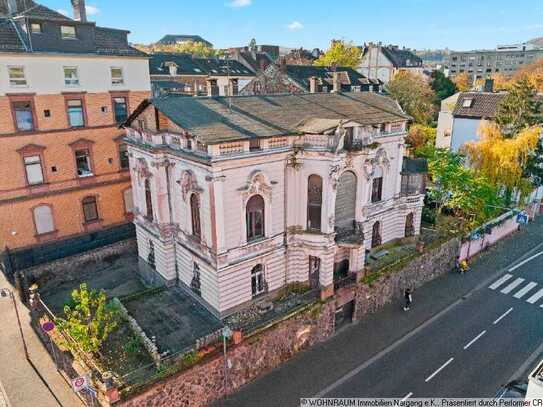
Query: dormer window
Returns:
{"type": "Point", "coordinates": [67, 32]}
{"type": "Point", "coordinates": [467, 103]}
{"type": "Point", "coordinates": [173, 69]}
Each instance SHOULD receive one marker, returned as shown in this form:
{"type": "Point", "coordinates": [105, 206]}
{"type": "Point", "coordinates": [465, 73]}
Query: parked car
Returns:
{"type": "Point", "coordinates": [512, 390]}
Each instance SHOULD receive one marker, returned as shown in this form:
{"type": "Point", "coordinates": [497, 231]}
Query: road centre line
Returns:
{"type": "Point", "coordinates": [407, 396]}
{"type": "Point", "coordinates": [443, 366]}
{"type": "Point", "coordinates": [503, 316]}
{"type": "Point", "coordinates": [474, 340]}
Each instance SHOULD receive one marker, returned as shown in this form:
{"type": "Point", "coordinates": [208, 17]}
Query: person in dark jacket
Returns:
{"type": "Point", "coordinates": [408, 299]}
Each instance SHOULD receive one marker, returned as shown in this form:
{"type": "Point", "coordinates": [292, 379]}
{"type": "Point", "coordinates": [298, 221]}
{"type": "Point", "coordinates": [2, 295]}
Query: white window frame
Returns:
{"type": "Point", "coordinates": [17, 82]}
{"type": "Point", "coordinates": [117, 81]}
{"type": "Point", "coordinates": [71, 81]}
{"type": "Point", "coordinates": [65, 36]}
{"type": "Point", "coordinates": [43, 228]}
{"type": "Point", "coordinates": [33, 161]}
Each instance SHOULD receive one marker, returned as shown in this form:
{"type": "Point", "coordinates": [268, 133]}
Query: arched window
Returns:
{"type": "Point", "coordinates": [148, 200]}
{"type": "Point", "coordinates": [377, 185]}
{"type": "Point", "coordinates": [195, 215]}
{"type": "Point", "coordinates": [314, 202]}
{"type": "Point", "coordinates": [90, 209]}
{"type": "Point", "coordinates": [376, 235]}
{"type": "Point", "coordinates": [258, 285]}
{"type": "Point", "coordinates": [255, 217]}
{"type": "Point", "coordinates": [409, 225]}
{"type": "Point", "coordinates": [43, 219]}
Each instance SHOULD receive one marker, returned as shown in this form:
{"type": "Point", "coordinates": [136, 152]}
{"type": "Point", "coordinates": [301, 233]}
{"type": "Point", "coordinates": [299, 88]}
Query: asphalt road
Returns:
{"type": "Point", "coordinates": [421, 353]}
{"type": "Point", "coordinates": [467, 352]}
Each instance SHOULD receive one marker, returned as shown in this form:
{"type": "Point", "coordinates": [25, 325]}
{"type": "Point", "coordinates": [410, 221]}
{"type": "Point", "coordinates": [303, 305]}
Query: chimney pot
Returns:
{"type": "Point", "coordinates": [80, 12]}
{"type": "Point", "coordinates": [313, 84]}
{"type": "Point", "coordinates": [336, 88]}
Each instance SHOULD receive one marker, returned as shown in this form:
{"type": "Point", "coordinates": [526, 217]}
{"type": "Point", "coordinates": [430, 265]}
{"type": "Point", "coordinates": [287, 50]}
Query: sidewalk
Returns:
{"type": "Point", "coordinates": [313, 370]}
{"type": "Point", "coordinates": [21, 383]}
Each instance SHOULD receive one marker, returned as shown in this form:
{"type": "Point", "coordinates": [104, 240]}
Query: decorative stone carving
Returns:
{"type": "Point", "coordinates": [188, 184]}
{"type": "Point", "coordinates": [257, 184]}
{"type": "Point", "coordinates": [163, 163]}
{"type": "Point", "coordinates": [168, 230]}
{"type": "Point", "coordinates": [142, 170]}
{"type": "Point", "coordinates": [333, 173]}
{"type": "Point", "coordinates": [332, 221]}
{"type": "Point", "coordinates": [380, 159]}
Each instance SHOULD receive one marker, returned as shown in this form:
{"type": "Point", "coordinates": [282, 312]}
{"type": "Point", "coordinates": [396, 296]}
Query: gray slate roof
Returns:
{"type": "Point", "coordinates": [188, 65]}
{"type": "Point", "coordinates": [348, 76]}
{"type": "Point", "coordinates": [484, 104]}
{"type": "Point", "coordinates": [212, 122]}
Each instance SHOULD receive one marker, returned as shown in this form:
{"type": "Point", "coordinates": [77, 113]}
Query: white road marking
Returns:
{"type": "Point", "coordinates": [512, 286]}
{"type": "Point", "coordinates": [523, 262]}
{"type": "Point", "coordinates": [533, 299]}
{"type": "Point", "coordinates": [499, 282]}
{"type": "Point", "coordinates": [524, 291]}
{"type": "Point", "coordinates": [474, 340]}
{"type": "Point", "coordinates": [443, 366]}
{"type": "Point", "coordinates": [407, 396]}
{"type": "Point", "coordinates": [503, 316]}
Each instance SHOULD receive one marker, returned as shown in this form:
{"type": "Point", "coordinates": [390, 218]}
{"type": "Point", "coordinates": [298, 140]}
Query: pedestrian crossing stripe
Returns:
{"type": "Point", "coordinates": [510, 285]}
{"type": "Point", "coordinates": [499, 282]}
{"type": "Point", "coordinates": [534, 298]}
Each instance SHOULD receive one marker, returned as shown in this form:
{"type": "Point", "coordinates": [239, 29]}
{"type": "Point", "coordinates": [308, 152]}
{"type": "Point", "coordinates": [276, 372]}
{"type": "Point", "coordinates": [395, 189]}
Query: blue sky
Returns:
{"type": "Point", "coordinates": [457, 24]}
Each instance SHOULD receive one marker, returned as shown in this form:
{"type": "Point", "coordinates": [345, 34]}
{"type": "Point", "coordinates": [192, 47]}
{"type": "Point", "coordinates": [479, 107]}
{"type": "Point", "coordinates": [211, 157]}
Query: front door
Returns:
{"type": "Point", "coordinates": [314, 271]}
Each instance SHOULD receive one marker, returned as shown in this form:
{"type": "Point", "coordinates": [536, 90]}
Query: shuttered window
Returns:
{"type": "Point", "coordinates": [43, 219]}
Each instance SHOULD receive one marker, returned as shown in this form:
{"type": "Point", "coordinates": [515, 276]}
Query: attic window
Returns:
{"type": "Point", "coordinates": [467, 103]}
{"type": "Point", "coordinates": [197, 70]}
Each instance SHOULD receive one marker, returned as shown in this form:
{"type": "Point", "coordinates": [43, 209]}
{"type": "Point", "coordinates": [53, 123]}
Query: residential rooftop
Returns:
{"type": "Point", "coordinates": [190, 65]}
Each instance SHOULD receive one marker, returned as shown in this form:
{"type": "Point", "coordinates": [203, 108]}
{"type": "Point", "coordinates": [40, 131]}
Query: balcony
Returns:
{"type": "Point", "coordinates": [350, 236]}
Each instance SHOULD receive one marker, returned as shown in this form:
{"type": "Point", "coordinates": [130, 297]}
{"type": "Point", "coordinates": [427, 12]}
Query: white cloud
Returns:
{"type": "Point", "coordinates": [240, 3]}
{"type": "Point", "coordinates": [62, 11]}
{"type": "Point", "coordinates": [92, 10]}
{"type": "Point", "coordinates": [295, 26]}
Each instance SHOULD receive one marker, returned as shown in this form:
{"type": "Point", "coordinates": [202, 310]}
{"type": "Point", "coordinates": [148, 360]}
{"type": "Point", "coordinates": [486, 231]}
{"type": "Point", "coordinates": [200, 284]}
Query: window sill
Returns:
{"type": "Point", "coordinates": [85, 176]}
{"type": "Point", "coordinates": [256, 240]}
{"type": "Point", "coordinates": [46, 235]}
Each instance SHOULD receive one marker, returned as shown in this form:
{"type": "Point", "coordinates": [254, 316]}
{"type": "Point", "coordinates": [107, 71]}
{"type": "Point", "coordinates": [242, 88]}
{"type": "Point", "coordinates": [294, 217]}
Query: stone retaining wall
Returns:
{"type": "Point", "coordinates": [255, 356]}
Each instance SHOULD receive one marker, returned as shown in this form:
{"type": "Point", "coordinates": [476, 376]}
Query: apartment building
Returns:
{"type": "Point", "coordinates": [65, 86]}
{"type": "Point", "coordinates": [382, 62]}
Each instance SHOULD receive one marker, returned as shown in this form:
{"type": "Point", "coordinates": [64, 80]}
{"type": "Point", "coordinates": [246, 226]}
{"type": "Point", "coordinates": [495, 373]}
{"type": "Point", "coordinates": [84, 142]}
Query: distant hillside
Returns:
{"type": "Point", "coordinates": [537, 41]}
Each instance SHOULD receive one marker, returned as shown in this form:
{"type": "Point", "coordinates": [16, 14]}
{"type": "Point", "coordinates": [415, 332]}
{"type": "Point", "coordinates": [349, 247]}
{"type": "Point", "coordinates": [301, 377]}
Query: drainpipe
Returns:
{"type": "Point", "coordinates": [174, 234]}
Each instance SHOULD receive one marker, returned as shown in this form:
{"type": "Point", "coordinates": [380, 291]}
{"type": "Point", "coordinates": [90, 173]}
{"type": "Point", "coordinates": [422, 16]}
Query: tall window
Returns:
{"type": "Point", "coordinates": [409, 225]}
{"type": "Point", "coordinates": [195, 215]}
{"type": "Point", "coordinates": [377, 189]}
{"type": "Point", "coordinates": [67, 32]}
{"type": "Point", "coordinates": [314, 202]}
{"type": "Point", "coordinates": [376, 235]}
{"type": "Point", "coordinates": [83, 163]}
{"type": "Point", "coordinates": [24, 118]}
{"type": "Point", "coordinates": [76, 117]}
{"type": "Point", "coordinates": [128, 201]}
{"type": "Point", "coordinates": [71, 78]}
{"type": "Point", "coordinates": [148, 200]}
{"type": "Point", "coordinates": [117, 76]}
{"type": "Point", "coordinates": [123, 156]}
{"type": "Point", "coordinates": [120, 109]}
{"type": "Point", "coordinates": [258, 285]}
{"type": "Point", "coordinates": [43, 219]}
{"type": "Point", "coordinates": [195, 282]}
{"type": "Point", "coordinates": [255, 218]}
{"type": "Point", "coordinates": [33, 169]}
{"type": "Point", "coordinates": [90, 209]}
{"type": "Point", "coordinates": [16, 76]}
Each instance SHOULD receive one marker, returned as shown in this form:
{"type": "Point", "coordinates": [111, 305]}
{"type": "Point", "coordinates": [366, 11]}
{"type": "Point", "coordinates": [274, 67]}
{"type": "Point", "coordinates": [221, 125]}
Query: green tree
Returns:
{"type": "Point", "coordinates": [519, 109]}
{"type": "Point", "coordinates": [420, 136]}
{"type": "Point", "coordinates": [459, 188]}
{"type": "Point", "coordinates": [442, 86]}
{"type": "Point", "coordinates": [414, 95]}
{"type": "Point", "coordinates": [340, 53]}
{"type": "Point", "coordinates": [198, 49]}
{"type": "Point", "coordinates": [89, 319]}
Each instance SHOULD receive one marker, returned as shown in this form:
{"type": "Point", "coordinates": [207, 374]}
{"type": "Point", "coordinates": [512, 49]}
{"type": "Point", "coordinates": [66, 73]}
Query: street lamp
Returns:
{"type": "Point", "coordinates": [226, 334]}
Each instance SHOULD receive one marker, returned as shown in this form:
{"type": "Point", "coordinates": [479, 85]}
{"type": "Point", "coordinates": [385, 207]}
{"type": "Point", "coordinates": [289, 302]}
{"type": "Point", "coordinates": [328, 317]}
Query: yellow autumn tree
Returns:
{"type": "Point", "coordinates": [534, 73]}
{"type": "Point", "coordinates": [463, 82]}
{"type": "Point", "coordinates": [503, 160]}
{"type": "Point", "coordinates": [501, 82]}
{"type": "Point", "coordinates": [340, 53]}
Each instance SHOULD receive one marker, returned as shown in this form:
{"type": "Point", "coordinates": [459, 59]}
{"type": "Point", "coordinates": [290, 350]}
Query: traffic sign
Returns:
{"type": "Point", "coordinates": [80, 383]}
{"type": "Point", "coordinates": [522, 217]}
{"type": "Point", "coordinates": [48, 326]}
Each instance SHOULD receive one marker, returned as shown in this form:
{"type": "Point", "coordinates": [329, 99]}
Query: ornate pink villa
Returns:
{"type": "Point", "coordinates": [237, 197]}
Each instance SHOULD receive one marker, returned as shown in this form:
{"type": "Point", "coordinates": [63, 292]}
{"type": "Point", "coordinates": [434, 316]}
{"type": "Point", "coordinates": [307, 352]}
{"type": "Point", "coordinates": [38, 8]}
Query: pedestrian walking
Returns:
{"type": "Point", "coordinates": [408, 299]}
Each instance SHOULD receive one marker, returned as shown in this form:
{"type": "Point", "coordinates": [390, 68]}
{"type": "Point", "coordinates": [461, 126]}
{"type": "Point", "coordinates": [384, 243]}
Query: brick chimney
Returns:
{"type": "Point", "coordinates": [313, 84]}
{"type": "Point", "coordinates": [336, 85]}
{"type": "Point", "coordinates": [80, 13]}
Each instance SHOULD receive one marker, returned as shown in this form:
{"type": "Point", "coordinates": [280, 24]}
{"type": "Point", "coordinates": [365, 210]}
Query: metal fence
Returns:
{"type": "Point", "coordinates": [14, 260]}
